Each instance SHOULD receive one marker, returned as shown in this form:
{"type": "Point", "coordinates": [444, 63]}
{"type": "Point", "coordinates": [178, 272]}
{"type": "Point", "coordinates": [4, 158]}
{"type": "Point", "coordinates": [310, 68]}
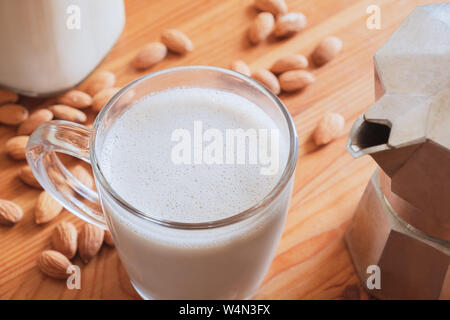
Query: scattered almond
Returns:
{"type": "Point", "coordinates": [268, 79]}
{"type": "Point", "coordinates": [241, 67]}
{"type": "Point", "coordinates": [63, 112]}
{"type": "Point", "coordinates": [47, 208]}
{"type": "Point", "coordinates": [64, 239]}
{"type": "Point", "coordinates": [34, 120]}
{"type": "Point", "coordinates": [273, 6]}
{"type": "Point", "coordinates": [327, 50]}
{"type": "Point", "coordinates": [330, 127]}
{"type": "Point", "coordinates": [27, 177]}
{"type": "Point", "coordinates": [295, 80]}
{"type": "Point", "coordinates": [125, 100]}
{"type": "Point", "coordinates": [176, 41]}
{"type": "Point", "coordinates": [7, 96]}
{"type": "Point", "coordinates": [290, 23]}
{"type": "Point", "coordinates": [89, 241]}
{"type": "Point", "coordinates": [54, 264]}
{"type": "Point", "coordinates": [108, 239]}
{"type": "Point", "coordinates": [150, 55]}
{"type": "Point", "coordinates": [10, 213]}
{"type": "Point", "coordinates": [13, 114]}
{"type": "Point", "coordinates": [83, 175]}
{"type": "Point", "coordinates": [261, 27]}
{"type": "Point", "coordinates": [57, 178]}
{"type": "Point", "coordinates": [99, 81]}
{"type": "Point", "coordinates": [289, 62]}
{"type": "Point", "coordinates": [75, 98]}
{"type": "Point", "coordinates": [15, 147]}
{"type": "Point", "coordinates": [101, 98]}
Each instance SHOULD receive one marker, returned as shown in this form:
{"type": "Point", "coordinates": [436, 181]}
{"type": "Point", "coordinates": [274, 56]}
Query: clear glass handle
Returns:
{"type": "Point", "coordinates": [72, 139]}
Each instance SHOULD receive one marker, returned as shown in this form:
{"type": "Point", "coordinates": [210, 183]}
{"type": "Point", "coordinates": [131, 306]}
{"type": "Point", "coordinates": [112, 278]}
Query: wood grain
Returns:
{"type": "Point", "coordinates": [312, 261]}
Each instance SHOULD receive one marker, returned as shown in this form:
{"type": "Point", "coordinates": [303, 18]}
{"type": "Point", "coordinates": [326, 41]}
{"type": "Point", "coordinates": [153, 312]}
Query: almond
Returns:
{"type": "Point", "coordinates": [289, 62]}
{"type": "Point", "coordinates": [34, 120]}
{"type": "Point", "coordinates": [101, 98]}
{"type": "Point", "coordinates": [290, 23]}
{"type": "Point", "coordinates": [83, 176]}
{"type": "Point", "coordinates": [150, 55]}
{"type": "Point", "coordinates": [327, 50]}
{"type": "Point", "coordinates": [273, 6]}
{"type": "Point", "coordinates": [99, 81]}
{"type": "Point", "coordinates": [47, 208]}
{"type": "Point", "coordinates": [63, 112]}
{"type": "Point", "coordinates": [295, 80]}
{"type": "Point", "coordinates": [64, 239]}
{"type": "Point", "coordinates": [268, 79]}
{"type": "Point", "coordinates": [7, 96]}
{"type": "Point", "coordinates": [125, 100]}
{"type": "Point", "coordinates": [89, 241]}
{"type": "Point", "coordinates": [330, 127]}
{"type": "Point", "coordinates": [15, 147]}
{"type": "Point", "coordinates": [27, 177]}
{"type": "Point", "coordinates": [176, 41]}
{"type": "Point", "coordinates": [10, 213]}
{"type": "Point", "coordinates": [75, 98]}
{"type": "Point", "coordinates": [58, 179]}
{"type": "Point", "coordinates": [261, 27]}
{"type": "Point", "coordinates": [13, 114]}
{"type": "Point", "coordinates": [108, 239]}
{"type": "Point", "coordinates": [54, 264]}
{"type": "Point", "coordinates": [241, 67]}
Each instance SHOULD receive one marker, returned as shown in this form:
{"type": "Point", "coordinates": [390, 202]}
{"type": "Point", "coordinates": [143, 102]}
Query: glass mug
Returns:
{"type": "Point", "coordinates": [222, 259]}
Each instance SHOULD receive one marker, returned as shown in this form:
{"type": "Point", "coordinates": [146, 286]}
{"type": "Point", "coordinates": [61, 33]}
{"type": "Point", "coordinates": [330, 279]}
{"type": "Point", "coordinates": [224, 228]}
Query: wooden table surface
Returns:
{"type": "Point", "coordinates": [312, 261]}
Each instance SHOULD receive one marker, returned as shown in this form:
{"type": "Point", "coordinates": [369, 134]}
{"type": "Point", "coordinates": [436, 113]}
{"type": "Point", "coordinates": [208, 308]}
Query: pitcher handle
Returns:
{"type": "Point", "coordinates": [72, 139]}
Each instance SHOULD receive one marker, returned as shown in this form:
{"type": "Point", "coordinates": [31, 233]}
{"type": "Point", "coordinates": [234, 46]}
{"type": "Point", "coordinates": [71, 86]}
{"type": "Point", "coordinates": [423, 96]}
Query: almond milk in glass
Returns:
{"type": "Point", "coordinates": [183, 230]}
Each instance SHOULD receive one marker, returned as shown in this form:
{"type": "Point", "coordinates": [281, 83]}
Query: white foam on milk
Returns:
{"type": "Point", "coordinates": [136, 157]}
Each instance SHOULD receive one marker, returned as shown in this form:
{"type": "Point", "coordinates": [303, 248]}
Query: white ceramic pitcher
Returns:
{"type": "Point", "coordinates": [48, 46]}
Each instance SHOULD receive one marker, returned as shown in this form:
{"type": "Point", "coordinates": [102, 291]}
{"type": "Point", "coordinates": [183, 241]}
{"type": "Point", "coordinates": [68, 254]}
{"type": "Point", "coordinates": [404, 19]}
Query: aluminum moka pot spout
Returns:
{"type": "Point", "coordinates": [371, 137]}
